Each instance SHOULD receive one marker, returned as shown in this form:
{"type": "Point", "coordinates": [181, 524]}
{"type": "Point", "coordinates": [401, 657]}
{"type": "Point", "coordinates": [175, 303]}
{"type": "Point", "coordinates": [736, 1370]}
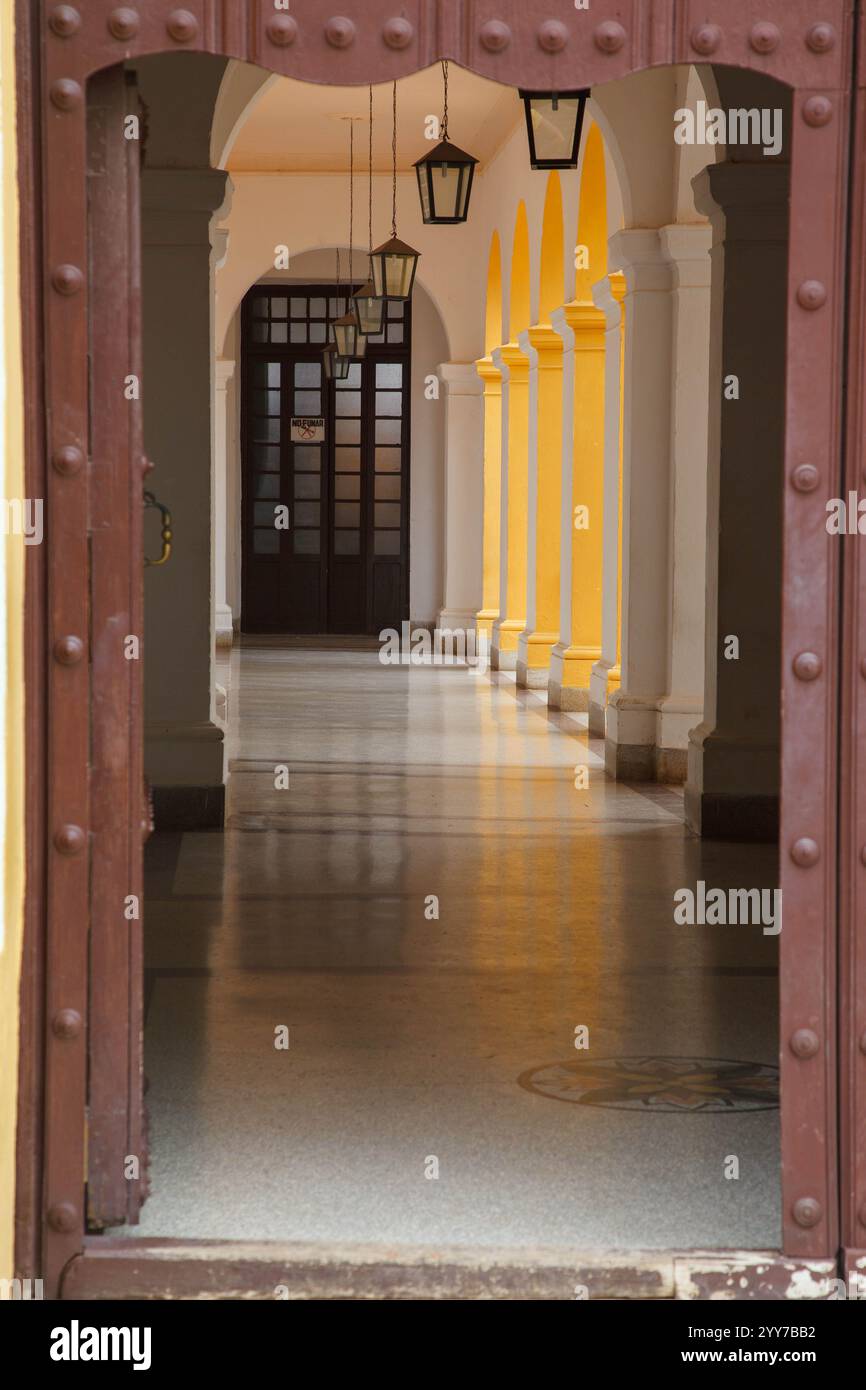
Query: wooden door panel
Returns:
{"type": "Point", "coordinates": [115, 1130]}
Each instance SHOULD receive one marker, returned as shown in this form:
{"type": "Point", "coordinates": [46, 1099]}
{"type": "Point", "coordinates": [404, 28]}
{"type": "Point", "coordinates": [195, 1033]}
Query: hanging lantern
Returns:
{"type": "Point", "coordinates": [554, 121]}
{"type": "Point", "coordinates": [369, 310]}
{"type": "Point", "coordinates": [394, 263]}
{"type": "Point", "coordinates": [351, 342]}
{"type": "Point", "coordinates": [445, 176]}
{"type": "Point", "coordinates": [336, 367]}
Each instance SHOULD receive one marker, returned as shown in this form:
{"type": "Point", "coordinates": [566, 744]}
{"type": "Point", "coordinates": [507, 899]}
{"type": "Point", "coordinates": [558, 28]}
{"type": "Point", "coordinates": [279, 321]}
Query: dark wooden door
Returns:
{"type": "Point", "coordinates": [116, 1160]}
{"type": "Point", "coordinates": [325, 470]}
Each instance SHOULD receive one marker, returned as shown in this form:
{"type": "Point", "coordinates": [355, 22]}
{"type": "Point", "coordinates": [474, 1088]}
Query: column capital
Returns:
{"type": "Point", "coordinates": [608, 294]}
{"type": "Point", "coordinates": [461, 378]}
{"type": "Point", "coordinates": [544, 338]}
{"type": "Point", "coordinates": [753, 198]}
{"type": "Point", "coordinates": [587, 323]}
{"type": "Point", "coordinates": [687, 247]}
{"type": "Point", "coordinates": [488, 370]}
{"type": "Point", "coordinates": [637, 252]}
{"type": "Point", "coordinates": [515, 359]}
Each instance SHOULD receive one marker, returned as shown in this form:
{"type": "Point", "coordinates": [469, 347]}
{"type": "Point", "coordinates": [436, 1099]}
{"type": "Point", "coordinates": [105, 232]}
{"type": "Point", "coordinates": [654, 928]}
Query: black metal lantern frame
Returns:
{"type": "Point", "coordinates": [554, 122]}
{"type": "Point", "coordinates": [445, 177]}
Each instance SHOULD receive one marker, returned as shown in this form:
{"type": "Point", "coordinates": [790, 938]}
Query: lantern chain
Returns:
{"type": "Point", "coordinates": [394, 167]}
{"type": "Point", "coordinates": [445, 113]}
{"type": "Point", "coordinates": [370, 204]}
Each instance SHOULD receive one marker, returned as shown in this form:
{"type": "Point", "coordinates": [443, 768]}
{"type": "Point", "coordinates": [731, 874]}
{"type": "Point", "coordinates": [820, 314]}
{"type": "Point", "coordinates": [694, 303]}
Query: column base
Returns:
{"type": "Point", "coordinates": [533, 659]}
{"type": "Point", "coordinates": [184, 755]}
{"type": "Point", "coordinates": [646, 737]}
{"type": "Point", "coordinates": [644, 762]}
{"type": "Point", "coordinates": [570, 676]}
{"type": "Point", "coordinates": [603, 680]}
{"type": "Point", "coordinates": [457, 619]}
{"type": "Point", "coordinates": [506, 635]}
{"type": "Point", "coordinates": [224, 626]}
{"type": "Point", "coordinates": [732, 789]}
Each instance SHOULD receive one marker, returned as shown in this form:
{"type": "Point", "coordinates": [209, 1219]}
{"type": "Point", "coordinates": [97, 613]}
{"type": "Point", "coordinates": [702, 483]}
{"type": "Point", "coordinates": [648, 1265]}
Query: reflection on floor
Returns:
{"type": "Point", "coordinates": [414, 1038]}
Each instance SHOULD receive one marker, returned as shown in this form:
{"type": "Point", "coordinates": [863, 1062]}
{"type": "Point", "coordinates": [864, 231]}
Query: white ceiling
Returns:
{"type": "Point", "coordinates": [296, 127]}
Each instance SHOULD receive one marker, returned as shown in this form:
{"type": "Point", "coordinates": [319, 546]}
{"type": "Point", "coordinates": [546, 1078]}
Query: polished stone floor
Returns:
{"type": "Point", "coordinates": [408, 1035]}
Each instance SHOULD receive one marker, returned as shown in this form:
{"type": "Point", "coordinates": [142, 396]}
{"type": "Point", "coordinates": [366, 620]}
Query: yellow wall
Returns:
{"type": "Point", "coordinates": [11, 661]}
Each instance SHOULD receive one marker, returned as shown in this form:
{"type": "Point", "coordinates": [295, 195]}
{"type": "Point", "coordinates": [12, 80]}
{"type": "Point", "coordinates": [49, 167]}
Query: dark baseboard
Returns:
{"type": "Point", "coordinates": [189, 808]}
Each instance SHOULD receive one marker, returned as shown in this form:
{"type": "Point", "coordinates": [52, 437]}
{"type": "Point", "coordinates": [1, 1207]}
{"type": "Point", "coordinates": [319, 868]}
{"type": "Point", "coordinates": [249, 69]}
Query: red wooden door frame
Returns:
{"type": "Point", "coordinates": [852, 745]}
{"type": "Point", "coordinates": [516, 42]}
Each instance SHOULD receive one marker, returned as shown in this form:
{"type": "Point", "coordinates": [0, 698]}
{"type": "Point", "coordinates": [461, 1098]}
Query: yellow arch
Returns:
{"type": "Point", "coordinates": [591, 257]}
{"type": "Point", "coordinates": [552, 283]}
{"type": "Point", "coordinates": [493, 322]}
{"type": "Point", "coordinates": [518, 309]}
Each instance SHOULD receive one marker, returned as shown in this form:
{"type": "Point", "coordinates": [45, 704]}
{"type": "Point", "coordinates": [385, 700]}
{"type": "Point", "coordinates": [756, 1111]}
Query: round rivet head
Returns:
{"type": "Point", "coordinates": [182, 26]}
{"type": "Point", "coordinates": [398, 32]}
{"type": "Point", "coordinates": [64, 21]}
{"type": "Point", "coordinates": [65, 94]}
{"type": "Point", "coordinates": [67, 461]}
{"type": "Point", "coordinates": [609, 37]}
{"type": "Point", "coordinates": [66, 1024]}
{"type": "Point", "coordinates": [123, 23]}
{"type": "Point", "coordinates": [818, 111]}
{"type": "Point", "coordinates": [63, 1217]}
{"type": "Point", "coordinates": [495, 36]}
{"type": "Point", "coordinates": [805, 478]}
{"type": "Point", "coordinates": [807, 666]}
{"type": "Point", "coordinates": [706, 38]}
{"type": "Point", "coordinates": [805, 852]}
{"type": "Point", "coordinates": [67, 279]}
{"type": "Point", "coordinates": [804, 1043]}
{"type": "Point", "coordinates": [811, 294]}
{"type": "Point", "coordinates": [340, 31]}
{"type": "Point", "coordinates": [69, 839]}
{"type": "Point", "coordinates": [68, 651]}
{"type": "Point", "coordinates": [807, 1211]}
{"type": "Point", "coordinates": [821, 38]}
{"type": "Point", "coordinates": [552, 36]}
{"type": "Point", "coordinates": [282, 30]}
{"type": "Point", "coordinates": [764, 37]}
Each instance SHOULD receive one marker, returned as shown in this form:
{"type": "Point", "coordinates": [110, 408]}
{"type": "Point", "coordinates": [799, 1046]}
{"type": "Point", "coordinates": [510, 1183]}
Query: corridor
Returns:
{"type": "Point", "coordinates": [423, 1044]}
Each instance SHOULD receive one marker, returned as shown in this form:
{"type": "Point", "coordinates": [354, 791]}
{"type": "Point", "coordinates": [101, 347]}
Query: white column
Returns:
{"type": "Point", "coordinates": [687, 248]}
{"type": "Point", "coordinates": [632, 710]}
{"type": "Point", "coordinates": [464, 493]}
{"type": "Point", "coordinates": [222, 432]}
{"type": "Point", "coordinates": [732, 790]}
{"type": "Point", "coordinates": [599, 681]}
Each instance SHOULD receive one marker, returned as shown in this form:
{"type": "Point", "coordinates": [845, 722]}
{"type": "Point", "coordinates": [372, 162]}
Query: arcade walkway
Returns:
{"type": "Point", "coordinates": [413, 1040]}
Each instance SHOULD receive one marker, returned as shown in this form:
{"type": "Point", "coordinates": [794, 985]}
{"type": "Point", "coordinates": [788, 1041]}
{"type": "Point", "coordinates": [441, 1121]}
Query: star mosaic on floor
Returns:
{"type": "Point", "coordinates": [667, 1085]}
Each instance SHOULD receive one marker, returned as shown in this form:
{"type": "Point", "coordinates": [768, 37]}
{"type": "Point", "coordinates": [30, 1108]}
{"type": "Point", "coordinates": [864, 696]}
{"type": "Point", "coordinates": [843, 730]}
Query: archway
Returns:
{"type": "Point", "coordinates": [814, 299]}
